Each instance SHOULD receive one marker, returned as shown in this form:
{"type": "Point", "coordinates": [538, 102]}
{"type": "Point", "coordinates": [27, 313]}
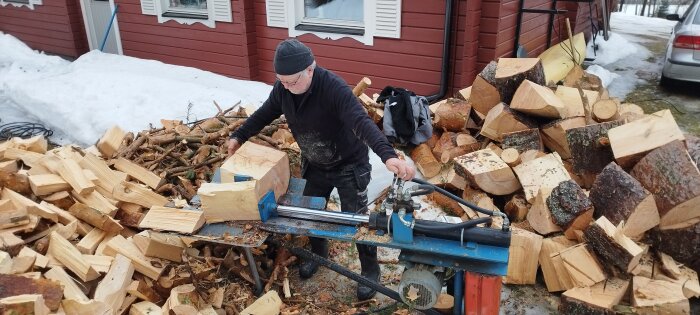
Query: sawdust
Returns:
{"type": "Point", "coordinates": [365, 234]}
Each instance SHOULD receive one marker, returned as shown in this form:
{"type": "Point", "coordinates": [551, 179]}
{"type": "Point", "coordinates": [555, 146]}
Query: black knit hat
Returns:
{"type": "Point", "coordinates": [292, 57]}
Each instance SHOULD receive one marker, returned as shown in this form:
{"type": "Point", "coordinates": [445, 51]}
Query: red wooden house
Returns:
{"type": "Point", "coordinates": [431, 47]}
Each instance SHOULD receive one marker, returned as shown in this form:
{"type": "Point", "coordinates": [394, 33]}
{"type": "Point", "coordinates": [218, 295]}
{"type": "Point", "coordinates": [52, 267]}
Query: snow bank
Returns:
{"type": "Point", "coordinates": [614, 49]}
{"type": "Point", "coordinates": [605, 76]}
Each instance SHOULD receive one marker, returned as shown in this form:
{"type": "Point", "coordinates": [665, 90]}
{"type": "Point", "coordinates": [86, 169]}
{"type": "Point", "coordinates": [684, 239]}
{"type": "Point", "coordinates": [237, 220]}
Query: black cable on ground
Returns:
{"type": "Point", "coordinates": [23, 130]}
{"type": "Point", "coordinates": [305, 254]}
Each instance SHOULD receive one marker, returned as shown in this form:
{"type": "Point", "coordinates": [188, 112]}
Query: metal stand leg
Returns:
{"type": "Point", "coordinates": [253, 270]}
{"type": "Point", "coordinates": [458, 308]}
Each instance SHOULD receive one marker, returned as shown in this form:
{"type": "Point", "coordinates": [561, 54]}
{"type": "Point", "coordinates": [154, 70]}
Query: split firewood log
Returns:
{"type": "Point", "coordinates": [511, 72]}
{"type": "Point", "coordinates": [555, 275]}
{"type": "Point", "coordinates": [571, 97]}
{"type": "Point", "coordinates": [465, 93]}
{"type": "Point", "coordinates": [671, 175]}
{"type": "Point", "coordinates": [683, 243]}
{"type": "Point", "coordinates": [523, 140]}
{"type": "Point", "coordinates": [543, 172]}
{"type": "Point", "coordinates": [524, 252]}
{"type": "Point", "coordinates": [538, 100]}
{"type": "Point", "coordinates": [516, 208]}
{"type": "Point", "coordinates": [605, 110]}
{"type": "Point", "coordinates": [613, 248]}
{"type": "Point", "coordinates": [554, 134]}
{"type": "Point", "coordinates": [590, 149]}
{"type": "Point", "coordinates": [501, 120]}
{"type": "Point", "coordinates": [425, 161]}
{"type": "Point", "coordinates": [597, 299]}
{"type": "Point", "coordinates": [452, 115]}
{"type": "Point", "coordinates": [630, 112]}
{"type": "Point", "coordinates": [511, 157]}
{"type": "Point", "coordinates": [16, 182]}
{"type": "Point", "coordinates": [658, 297]}
{"type": "Point", "coordinates": [448, 178]}
{"type": "Point", "coordinates": [619, 197]}
{"type": "Point", "coordinates": [361, 86]}
{"type": "Point", "coordinates": [571, 209]}
{"type": "Point", "coordinates": [539, 216]}
{"type": "Point", "coordinates": [631, 141]}
{"type": "Point", "coordinates": [485, 95]}
{"type": "Point", "coordinates": [485, 169]}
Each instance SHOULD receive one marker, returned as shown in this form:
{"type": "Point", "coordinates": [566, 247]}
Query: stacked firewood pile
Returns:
{"type": "Point", "coordinates": [186, 155]}
{"type": "Point", "coordinates": [604, 198]}
{"type": "Point", "coordinates": [83, 234]}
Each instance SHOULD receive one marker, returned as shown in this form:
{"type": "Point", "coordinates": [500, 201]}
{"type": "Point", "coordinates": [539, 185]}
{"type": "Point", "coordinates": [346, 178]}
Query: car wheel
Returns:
{"type": "Point", "coordinates": [664, 81]}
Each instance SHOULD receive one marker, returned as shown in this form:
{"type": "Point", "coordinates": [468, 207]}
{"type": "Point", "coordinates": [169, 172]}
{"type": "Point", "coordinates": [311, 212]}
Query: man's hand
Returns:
{"type": "Point", "coordinates": [233, 145]}
{"type": "Point", "coordinates": [400, 168]}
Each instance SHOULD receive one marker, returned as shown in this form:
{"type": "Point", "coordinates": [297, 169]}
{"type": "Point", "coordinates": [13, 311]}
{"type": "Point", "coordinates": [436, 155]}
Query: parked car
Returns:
{"type": "Point", "coordinates": [682, 60]}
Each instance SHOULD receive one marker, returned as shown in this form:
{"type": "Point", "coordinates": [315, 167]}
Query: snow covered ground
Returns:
{"type": "Point", "coordinates": [618, 60]}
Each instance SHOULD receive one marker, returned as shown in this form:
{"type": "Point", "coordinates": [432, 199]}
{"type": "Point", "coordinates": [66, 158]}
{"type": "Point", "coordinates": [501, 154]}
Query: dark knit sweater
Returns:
{"type": "Point", "coordinates": [329, 124]}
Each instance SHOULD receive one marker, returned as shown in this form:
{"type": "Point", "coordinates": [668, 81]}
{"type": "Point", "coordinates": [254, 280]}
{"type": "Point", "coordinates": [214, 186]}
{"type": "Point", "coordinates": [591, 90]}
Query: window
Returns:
{"type": "Point", "coordinates": [338, 16]}
{"type": "Point", "coordinates": [21, 3]}
{"type": "Point", "coordinates": [207, 12]}
{"type": "Point", "coordinates": [359, 19]}
{"type": "Point", "coordinates": [195, 9]}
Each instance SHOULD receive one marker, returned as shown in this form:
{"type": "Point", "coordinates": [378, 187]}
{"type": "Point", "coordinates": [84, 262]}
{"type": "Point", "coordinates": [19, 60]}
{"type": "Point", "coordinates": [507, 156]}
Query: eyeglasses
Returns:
{"type": "Point", "coordinates": [291, 83]}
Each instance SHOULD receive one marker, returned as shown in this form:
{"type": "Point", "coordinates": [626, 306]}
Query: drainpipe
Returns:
{"type": "Point", "coordinates": [445, 69]}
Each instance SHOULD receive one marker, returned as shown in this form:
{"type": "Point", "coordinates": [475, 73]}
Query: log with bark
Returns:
{"type": "Point", "coordinates": [523, 140]}
{"type": "Point", "coordinates": [511, 72]}
{"type": "Point", "coordinates": [554, 134]}
{"type": "Point", "coordinates": [485, 95]}
{"type": "Point", "coordinates": [452, 115]}
{"type": "Point", "coordinates": [571, 209]}
{"type": "Point", "coordinates": [501, 120]}
{"type": "Point", "coordinates": [589, 149]}
{"type": "Point", "coordinates": [613, 248]}
{"type": "Point", "coordinates": [619, 197]}
{"type": "Point", "coordinates": [671, 175]}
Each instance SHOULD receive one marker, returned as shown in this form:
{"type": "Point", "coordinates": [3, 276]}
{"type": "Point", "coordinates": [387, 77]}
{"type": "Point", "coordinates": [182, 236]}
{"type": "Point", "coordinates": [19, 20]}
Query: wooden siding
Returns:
{"type": "Point", "coordinates": [499, 19]}
{"type": "Point", "coordinates": [55, 27]}
{"type": "Point", "coordinates": [413, 61]}
{"type": "Point", "coordinates": [223, 49]}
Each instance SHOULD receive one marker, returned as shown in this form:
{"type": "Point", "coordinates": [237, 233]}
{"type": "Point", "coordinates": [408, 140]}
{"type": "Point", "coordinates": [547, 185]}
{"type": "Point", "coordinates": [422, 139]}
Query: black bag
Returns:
{"type": "Point", "coordinates": [406, 116]}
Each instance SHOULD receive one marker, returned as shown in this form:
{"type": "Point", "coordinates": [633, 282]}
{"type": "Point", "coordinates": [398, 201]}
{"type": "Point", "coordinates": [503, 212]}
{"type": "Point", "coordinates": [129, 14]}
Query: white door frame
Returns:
{"type": "Point", "coordinates": [87, 19]}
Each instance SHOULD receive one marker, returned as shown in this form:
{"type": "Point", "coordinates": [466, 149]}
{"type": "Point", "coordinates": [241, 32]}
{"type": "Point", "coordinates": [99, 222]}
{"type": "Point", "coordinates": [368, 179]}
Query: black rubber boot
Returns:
{"type": "Point", "coordinates": [319, 246]}
{"type": "Point", "coordinates": [370, 270]}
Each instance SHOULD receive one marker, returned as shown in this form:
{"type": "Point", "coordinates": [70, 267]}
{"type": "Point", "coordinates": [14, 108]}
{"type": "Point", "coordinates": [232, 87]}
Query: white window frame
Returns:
{"type": "Point", "coordinates": [29, 4]}
{"type": "Point", "coordinates": [217, 11]}
{"type": "Point", "coordinates": [296, 16]}
{"type": "Point", "coordinates": [163, 7]}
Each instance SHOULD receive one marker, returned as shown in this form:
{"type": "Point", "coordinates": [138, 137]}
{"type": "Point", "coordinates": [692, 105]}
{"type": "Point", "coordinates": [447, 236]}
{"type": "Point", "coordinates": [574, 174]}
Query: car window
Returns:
{"type": "Point", "coordinates": [696, 20]}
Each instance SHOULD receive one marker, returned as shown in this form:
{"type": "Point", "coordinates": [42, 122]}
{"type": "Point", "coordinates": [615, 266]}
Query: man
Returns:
{"type": "Point", "coordinates": [333, 132]}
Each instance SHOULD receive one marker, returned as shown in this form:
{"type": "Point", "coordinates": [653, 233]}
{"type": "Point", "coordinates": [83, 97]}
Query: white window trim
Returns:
{"type": "Point", "coordinates": [162, 8]}
{"type": "Point", "coordinates": [295, 16]}
{"type": "Point", "coordinates": [30, 4]}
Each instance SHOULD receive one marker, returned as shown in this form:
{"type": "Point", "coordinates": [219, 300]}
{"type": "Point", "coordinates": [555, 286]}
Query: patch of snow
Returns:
{"type": "Point", "coordinates": [86, 97]}
{"type": "Point", "coordinates": [620, 60]}
{"type": "Point", "coordinates": [614, 49]}
{"type": "Point", "coordinates": [605, 76]}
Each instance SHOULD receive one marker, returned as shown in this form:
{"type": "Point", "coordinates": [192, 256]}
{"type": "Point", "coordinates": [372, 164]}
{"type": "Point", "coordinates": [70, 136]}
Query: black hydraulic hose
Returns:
{"type": "Point", "coordinates": [450, 227]}
{"type": "Point", "coordinates": [506, 222]}
{"type": "Point", "coordinates": [423, 190]}
{"type": "Point", "coordinates": [305, 254]}
{"type": "Point", "coordinates": [486, 236]}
